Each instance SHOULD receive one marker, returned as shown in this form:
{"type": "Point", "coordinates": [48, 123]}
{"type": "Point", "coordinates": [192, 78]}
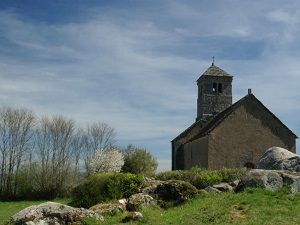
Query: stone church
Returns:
{"type": "Point", "coordinates": [225, 134]}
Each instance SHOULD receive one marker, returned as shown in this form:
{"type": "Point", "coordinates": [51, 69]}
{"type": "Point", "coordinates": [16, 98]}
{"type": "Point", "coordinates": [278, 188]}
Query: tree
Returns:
{"type": "Point", "coordinates": [97, 136]}
{"type": "Point", "coordinates": [16, 131]}
{"type": "Point", "coordinates": [139, 161]}
{"type": "Point", "coordinates": [54, 138]}
{"type": "Point", "coordinates": [110, 161]}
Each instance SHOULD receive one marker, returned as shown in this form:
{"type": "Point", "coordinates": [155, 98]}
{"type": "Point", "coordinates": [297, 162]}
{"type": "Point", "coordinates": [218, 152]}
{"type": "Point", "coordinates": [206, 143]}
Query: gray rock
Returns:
{"type": "Point", "coordinates": [171, 190]}
{"type": "Point", "coordinates": [223, 187]}
{"type": "Point", "coordinates": [53, 213]}
{"type": "Point", "coordinates": [139, 201]}
{"type": "Point", "coordinates": [268, 179]}
{"type": "Point", "coordinates": [277, 158]}
{"type": "Point", "coordinates": [234, 183]}
{"type": "Point", "coordinates": [210, 189]}
{"type": "Point", "coordinates": [132, 216]}
{"type": "Point", "coordinates": [292, 180]}
{"type": "Point", "coordinates": [108, 207]}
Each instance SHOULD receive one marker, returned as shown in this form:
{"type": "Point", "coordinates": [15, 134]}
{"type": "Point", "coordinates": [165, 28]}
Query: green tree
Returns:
{"type": "Point", "coordinates": [139, 161]}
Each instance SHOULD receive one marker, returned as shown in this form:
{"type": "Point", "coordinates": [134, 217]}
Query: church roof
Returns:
{"type": "Point", "coordinates": [215, 71]}
{"type": "Point", "coordinates": [211, 124]}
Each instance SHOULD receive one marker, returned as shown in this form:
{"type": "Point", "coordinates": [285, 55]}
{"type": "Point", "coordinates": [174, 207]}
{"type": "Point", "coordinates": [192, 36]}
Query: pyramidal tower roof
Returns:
{"type": "Point", "coordinates": [215, 71]}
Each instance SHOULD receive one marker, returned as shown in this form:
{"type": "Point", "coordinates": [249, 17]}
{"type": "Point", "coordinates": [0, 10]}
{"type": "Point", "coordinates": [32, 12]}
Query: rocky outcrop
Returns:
{"type": "Point", "coordinates": [224, 187]}
{"type": "Point", "coordinates": [53, 213]}
{"type": "Point", "coordinates": [271, 180]}
{"type": "Point", "coordinates": [210, 189]}
{"type": "Point", "coordinates": [172, 190]}
{"type": "Point", "coordinates": [109, 208]}
{"type": "Point", "coordinates": [277, 158]}
{"type": "Point", "coordinates": [132, 216]}
{"type": "Point", "coordinates": [139, 201]}
{"type": "Point", "coordinates": [267, 179]}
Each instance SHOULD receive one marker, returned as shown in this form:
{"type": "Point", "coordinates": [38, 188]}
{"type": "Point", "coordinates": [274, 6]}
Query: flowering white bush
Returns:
{"type": "Point", "coordinates": [108, 161]}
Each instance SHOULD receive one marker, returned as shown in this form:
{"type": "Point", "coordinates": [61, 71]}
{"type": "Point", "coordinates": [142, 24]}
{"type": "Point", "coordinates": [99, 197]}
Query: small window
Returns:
{"type": "Point", "coordinates": [214, 87]}
{"type": "Point", "coordinates": [220, 88]}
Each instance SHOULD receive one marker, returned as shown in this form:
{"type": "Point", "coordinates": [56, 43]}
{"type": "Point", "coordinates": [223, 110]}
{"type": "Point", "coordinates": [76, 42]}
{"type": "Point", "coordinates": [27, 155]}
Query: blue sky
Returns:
{"type": "Point", "coordinates": [134, 64]}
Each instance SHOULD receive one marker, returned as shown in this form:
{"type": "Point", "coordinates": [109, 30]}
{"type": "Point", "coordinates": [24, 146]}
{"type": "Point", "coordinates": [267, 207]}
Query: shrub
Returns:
{"type": "Point", "coordinates": [102, 187]}
{"type": "Point", "coordinates": [124, 185]}
{"type": "Point", "coordinates": [202, 178]}
{"type": "Point", "coordinates": [91, 191]}
{"type": "Point", "coordinates": [231, 174]}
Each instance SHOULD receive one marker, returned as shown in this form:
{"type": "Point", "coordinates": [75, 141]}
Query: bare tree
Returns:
{"type": "Point", "coordinates": [16, 130]}
{"type": "Point", "coordinates": [54, 138]}
{"type": "Point", "coordinates": [79, 147]}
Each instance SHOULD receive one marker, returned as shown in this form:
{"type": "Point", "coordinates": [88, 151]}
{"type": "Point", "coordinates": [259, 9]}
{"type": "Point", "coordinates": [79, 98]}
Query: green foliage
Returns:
{"type": "Point", "coordinates": [202, 178]}
{"type": "Point", "coordinates": [123, 185]}
{"type": "Point", "coordinates": [139, 161]}
{"type": "Point", "coordinates": [103, 187]}
{"type": "Point", "coordinates": [92, 190]}
{"type": "Point", "coordinates": [131, 184]}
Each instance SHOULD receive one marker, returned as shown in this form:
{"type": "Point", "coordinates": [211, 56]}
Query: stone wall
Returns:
{"type": "Point", "coordinates": [243, 137]}
{"type": "Point", "coordinates": [195, 153]}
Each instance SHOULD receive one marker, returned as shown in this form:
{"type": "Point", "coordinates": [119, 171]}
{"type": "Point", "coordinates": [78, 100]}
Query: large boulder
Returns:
{"type": "Point", "coordinates": [53, 213]}
{"type": "Point", "coordinates": [268, 179]}
{"type": "Point", "coordinates": [224, 187]}
{"type": "Point", "coordinates": [109, 208]}
{"type": "Point", "coordinates": [172, 190]}
{"type": "Point", "coordinates": [277, 158]}
{"type": "Point", "coordinates": [139, 201]}
{"type": "Point", "coordinates": [272, 180]}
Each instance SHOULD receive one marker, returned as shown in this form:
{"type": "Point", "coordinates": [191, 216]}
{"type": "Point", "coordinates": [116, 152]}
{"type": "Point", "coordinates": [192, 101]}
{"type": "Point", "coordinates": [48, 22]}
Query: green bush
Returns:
{"type": "Point", "coordinates": [91, 191]}
{"type": "Point", "coordinates": [103, 187]}
{"type": "Point", "coordinates": [202, 178]}
{"type": "Point", "coordinates": [124, 185]}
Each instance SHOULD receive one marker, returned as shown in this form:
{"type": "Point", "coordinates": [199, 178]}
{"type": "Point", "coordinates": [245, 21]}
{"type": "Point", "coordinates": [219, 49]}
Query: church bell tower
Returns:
{"type": "Point", "coordinates": [214, 92]}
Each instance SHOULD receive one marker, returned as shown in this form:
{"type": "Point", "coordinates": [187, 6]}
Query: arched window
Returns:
{"type": "Point", "coordinates": [220, 88]}
{"type": "Point", "coordinates": [214, 87]}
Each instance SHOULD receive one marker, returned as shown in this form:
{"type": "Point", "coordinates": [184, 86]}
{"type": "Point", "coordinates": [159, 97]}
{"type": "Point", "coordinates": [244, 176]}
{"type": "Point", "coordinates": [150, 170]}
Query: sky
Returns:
{"type": "Point", "coordinates": [134, 64]}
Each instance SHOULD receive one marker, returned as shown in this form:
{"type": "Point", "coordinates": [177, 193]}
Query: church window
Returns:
{"type": "Point", "coordinates": [220, 88]}
{"type": "Point", "coordinates": [214, 87]}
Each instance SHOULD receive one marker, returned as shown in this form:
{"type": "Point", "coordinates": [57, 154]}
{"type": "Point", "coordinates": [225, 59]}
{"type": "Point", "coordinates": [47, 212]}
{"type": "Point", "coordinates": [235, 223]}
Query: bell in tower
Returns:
{"type": "Point", "coordinates": [214, 92]}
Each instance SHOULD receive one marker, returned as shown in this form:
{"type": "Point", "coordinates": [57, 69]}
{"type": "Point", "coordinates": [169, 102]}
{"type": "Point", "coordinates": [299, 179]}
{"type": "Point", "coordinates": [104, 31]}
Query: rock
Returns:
{"type": "Point", "coordinates": [174, 190]}
{"type": "Point", "coordinates": [53, 213]}
{"type": "Point", "coordinates": [292, 180]}
{"type": "Point", "coordinates": [268, 179]}
{"type": "Point", "coordinates": [150, 182]}
{"type": "Point", "coordinates": [111, 208]}
{"type": "Point", "coordinates": [138, 201]}
{"type": "Point", "coordinates": [210, 189]}
{"type": "Point", "coordinates": [277, 158]}
{"type": "Point", "coordinates": [234, 184]}
{"type": "Point", "coordinates": [223, 187]}
{"type": "Point", "coordinates": [132, 216]}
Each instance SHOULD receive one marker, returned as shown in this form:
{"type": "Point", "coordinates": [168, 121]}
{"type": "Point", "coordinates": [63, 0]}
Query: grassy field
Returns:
{"type": "Point", "coordinates": [254, 206]}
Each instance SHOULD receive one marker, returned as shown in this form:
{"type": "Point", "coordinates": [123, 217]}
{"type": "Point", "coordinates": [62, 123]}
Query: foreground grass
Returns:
{"type": "Point", "coordinates": [254, 206]}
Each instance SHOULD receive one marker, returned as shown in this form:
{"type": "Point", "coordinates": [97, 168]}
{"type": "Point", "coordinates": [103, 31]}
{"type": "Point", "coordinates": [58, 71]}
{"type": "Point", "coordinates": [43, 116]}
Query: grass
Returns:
{"type": "Point", "coordinates": [253, 206]}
